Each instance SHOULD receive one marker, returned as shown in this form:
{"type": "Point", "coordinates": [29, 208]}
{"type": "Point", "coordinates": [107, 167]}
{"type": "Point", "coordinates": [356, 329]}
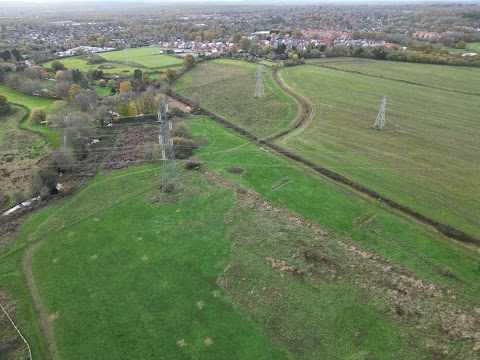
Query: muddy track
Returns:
{"type": "Point", "coordinates": [306, 112]}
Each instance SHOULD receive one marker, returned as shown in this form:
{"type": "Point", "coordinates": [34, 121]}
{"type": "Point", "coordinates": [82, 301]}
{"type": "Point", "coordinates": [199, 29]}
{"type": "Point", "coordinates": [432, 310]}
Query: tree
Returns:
{"type": "Point", "coordinates": [237, 37]}
{"type": "Point", "coordinates": [132, 109]}
{"type": "Point", "coordinates": [169, 75]}
{"type": "Point", "coordinates": [38, 115]}
{"type": "Point", "coordinates": [297, 34]}
{"type": "Point", "coordinates": [209, 35]}
{"type": "Point", "coordinates": [57, 66]}
{"type": "Point", "coordinates": [4, 105]}
{"type": "Point", "coordinates": [281, 49]}
{"type": "Point", "coordinates": [125, 87]}
{"type": "Point", "coordinates": [294, 57]}
{"type": "Point", "coordinates": [86, 100]}
{"type": "Point", "coordinates": [146, 79]}
{"type": "Point", "coordinates": [137, 75]}
{"type": "Point", "coordinates": [102, 83]}
{"type": "Point", "coordinates": [188, 61]}
{"type": "Point", "coordinates": [245, 43]}
{"type": "Point", "coordinates": [74, 91]}
{"type": "Point", "coordinates": [461, 44]}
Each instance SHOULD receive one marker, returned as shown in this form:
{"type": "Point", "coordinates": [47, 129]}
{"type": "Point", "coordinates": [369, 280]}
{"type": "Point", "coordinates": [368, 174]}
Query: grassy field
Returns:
{"type": "Point", "coordinates": [426, 159]}
{"type": "Point", "coordinates": [458, 78]}
{"type": "Point", "coordinates": [32, 102]}
{"type": "Point", "coordinates": [143, 56]}
{"type": "Point", "coordinates": [227, 88]}
{"type": "Point", "coordinates": [27, 100]}
{"type": "Point", "coordinates": [471, 47]}
{"type": "Point", "coordinates": [120, 278]}
{"type": "Point", "coordinates": [19, 152]}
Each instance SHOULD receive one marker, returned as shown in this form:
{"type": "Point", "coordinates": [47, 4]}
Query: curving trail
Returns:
{"type": "Point", "coordinates": [306, 110]}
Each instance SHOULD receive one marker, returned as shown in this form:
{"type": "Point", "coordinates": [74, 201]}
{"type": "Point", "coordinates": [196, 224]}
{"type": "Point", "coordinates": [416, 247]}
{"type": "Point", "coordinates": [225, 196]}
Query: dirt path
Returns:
{"type": "Point", "coordinates": [305, 108]}
{"type": "Point", "coordinates": [44, 319]}
{"type": "Point", "coordinates": [309, 115]}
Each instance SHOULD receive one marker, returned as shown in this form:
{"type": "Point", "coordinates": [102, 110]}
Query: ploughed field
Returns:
{"type": "Point", "coordinates": [227, 88]}
{"type": "Point", "coordinates": [428, 156]}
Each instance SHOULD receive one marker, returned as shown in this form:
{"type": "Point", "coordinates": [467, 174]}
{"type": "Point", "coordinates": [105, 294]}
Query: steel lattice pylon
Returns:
{"type": "Point", "coordinates": [260, 90]}
{"type": "Point", "coordinates": [380, 121]}
{"type": "Point", "coordinates": [171, 178]}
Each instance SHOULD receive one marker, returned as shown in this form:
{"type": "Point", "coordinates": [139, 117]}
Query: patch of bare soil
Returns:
{"type": "Point", "coordinates": [174, 103]}
{"type": "Point", "coordinates": [235, 171]}
{"type": "Point", "coordinates": [208, 341]}
{"type": "Point", "coordinates": [181, 343]}
{"type": "Point", "coordinates": [135, 144]}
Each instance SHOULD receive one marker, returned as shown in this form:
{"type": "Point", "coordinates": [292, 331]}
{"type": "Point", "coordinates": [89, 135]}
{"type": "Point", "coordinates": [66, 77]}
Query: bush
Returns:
{"type": "Point", "coordinates": [4, 105]}
{"type": "Point", "coordinates": [183, 147]}
{"type": "Point", "coordinates": [38, 115]}
{"type": "Point", "coordinates": [180, 129]}
{"type": "Point", "coordinates": [177, 112]}
{"type": "Point", "coordinates": [193, 164]}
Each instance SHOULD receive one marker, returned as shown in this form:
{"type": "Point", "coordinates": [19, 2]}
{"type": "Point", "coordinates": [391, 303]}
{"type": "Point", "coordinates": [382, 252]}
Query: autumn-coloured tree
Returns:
{"type": "Point", "coordinates": [169, 75]}
{"type": "Point", "coordinates": [125, 87]}
{"type": "Point", "coordinates": [38, 115]}
{"type": "Point", "coordinates": [188, 61]}
{"type": "Point", "coordinates": [74, 91]}
{"type": "Point", "coordinates": [4, 105]}
{"type": "Point", "coordinates": [132, 109]}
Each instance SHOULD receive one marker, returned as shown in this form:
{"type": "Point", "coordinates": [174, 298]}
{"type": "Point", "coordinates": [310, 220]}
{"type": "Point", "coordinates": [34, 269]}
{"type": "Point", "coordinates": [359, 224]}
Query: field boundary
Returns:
{"type": "Point", "coordinates": [394, 79]}
{"type": "Point", "coordinates": [444, 229]}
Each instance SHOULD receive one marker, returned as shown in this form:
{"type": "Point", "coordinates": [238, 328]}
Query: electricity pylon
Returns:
{"type": "Point", "coordinates": [260, 90]}
{"type": "Point", "coordinates": [171, 178]}
{"type": "Point", "coordinates": [380, 121]}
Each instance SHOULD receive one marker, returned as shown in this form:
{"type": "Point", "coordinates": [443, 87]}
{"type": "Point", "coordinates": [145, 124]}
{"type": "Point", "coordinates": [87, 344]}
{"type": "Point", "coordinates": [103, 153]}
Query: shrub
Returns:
{"type": "Point", "coordinates": [38, 115]}
{"type": "Point", "coordinates": [183, 147]}
{"type": "Point", "coordinates": [193, 164]}
{"type": "Point", "coordinates": [177, 112]}
{"type": "Point", "coordinates": [4, 105]}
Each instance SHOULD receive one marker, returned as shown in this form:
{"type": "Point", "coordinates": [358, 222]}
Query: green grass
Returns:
{"type": "Point", "coordinates": [473, 47]}
{"type": "Point", "coordinates": [426, 159]}
{"type": "Point", "coordinates": [102, 91]}
{"type": "Point", "coordinates": [227, 89]}
{"type": "Point", "coordinates": [143, 57]}
{"type": "Point", "coordinates": [32, 102]}
{"type": "Point", "coordinates": [114, 302]}
{"type": "Point", "coordinates": [459, 78]}
{"type": "Point", "coordinates": [125, 267]}
{"type": "Point", "coordinates": [335, 207]}
{"type": "Point", "coordinates": [29, 101]}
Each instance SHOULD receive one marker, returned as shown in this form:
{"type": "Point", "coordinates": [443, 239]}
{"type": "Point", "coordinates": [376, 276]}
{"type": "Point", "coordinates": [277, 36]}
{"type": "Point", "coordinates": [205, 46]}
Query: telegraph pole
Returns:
{"type": "Point", "coordinates": [260, 90]}
{"type": "Point", "coordinates": [380, 121]}
{"type": "Point", "coordinates": [171, 178]}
